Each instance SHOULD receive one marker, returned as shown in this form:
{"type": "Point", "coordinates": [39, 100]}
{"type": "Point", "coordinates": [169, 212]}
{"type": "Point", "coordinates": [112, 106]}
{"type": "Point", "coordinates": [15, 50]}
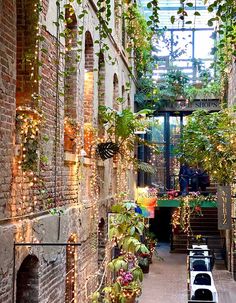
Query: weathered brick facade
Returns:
{"type": "Point", "coordinates": [231, 103]}
{"type": "Point", "coordinates": [63, 182]}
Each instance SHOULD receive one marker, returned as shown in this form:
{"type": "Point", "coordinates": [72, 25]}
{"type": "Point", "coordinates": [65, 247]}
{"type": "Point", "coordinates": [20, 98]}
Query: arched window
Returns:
{"type": "Point", "coordinates": [26, 56]}
{"type": "Point", "coordinates": [88, 78]}
{"type": "Point", "coordinates": [115, 92]}
{"type": "Point", "coordinates": [101, 89]}
{"type": "Point", "coordinates": [70, 62]}
{"type": "Point", "coordinates": [70, 295]}
{"type": "Point", "coordinates": [88, 93]}
{"type": "Point", "coordinates": [101, 241]}
{"type": "Point", "coordinates": [123, 31]}
{"type": "Point", "coordinates": [70, 80]}
{"type": "Point", "coordinates": [116, 107]}
{"type": "Point", "coordinates": [101, 245]}
{"type": "Point", "coordinates": [128, 101]}
{"type": "Point", "coordinates": [101, 80]}
{"type": "Point", "coordinates": [27, 283]}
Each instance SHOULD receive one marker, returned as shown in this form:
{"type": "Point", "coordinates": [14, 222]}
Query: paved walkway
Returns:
{"type": "Point", "coordinates": [225, 285]}
{"type": "Point", "coordinates": [166, 281]}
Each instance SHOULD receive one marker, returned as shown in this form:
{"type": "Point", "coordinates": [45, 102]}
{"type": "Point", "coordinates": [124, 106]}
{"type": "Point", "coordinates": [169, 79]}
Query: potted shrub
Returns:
{"type": "Point", "coordinates": [151, 242]}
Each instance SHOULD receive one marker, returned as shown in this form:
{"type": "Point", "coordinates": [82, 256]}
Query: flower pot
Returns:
{"type": "Point", "coordinates": [130, 300]}
{"type": "Point", "coordinates": [69, 141]}
{"type": "Point", "coordinates": [130, 297]}
{"type": "Point", "coordinates": [145, 268]}
{"type": "Point", "coordinates": [107, 150]}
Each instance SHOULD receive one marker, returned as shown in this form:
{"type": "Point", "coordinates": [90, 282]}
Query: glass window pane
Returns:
{"type": "Point", "coordinates": [182, 44]}
{"type": "Point", "coordinates": [203, 38]}
{"type": "Point", "coordinates": [158, 130]}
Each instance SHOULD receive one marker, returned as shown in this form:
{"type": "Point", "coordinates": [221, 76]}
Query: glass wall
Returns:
{"type": "Point", "coordinates": [180, 44]}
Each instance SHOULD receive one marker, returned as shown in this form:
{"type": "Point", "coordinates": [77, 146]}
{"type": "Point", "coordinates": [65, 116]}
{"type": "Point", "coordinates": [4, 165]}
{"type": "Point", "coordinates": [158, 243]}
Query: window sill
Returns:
{"type": "Point", "coordinates": [69, 157]}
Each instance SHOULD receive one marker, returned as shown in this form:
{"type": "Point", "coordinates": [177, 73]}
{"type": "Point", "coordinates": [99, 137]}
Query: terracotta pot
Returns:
{"type": "Point", "coordinates": [130, 300]}
{"type": "Point", "coordinates": [69, 139]}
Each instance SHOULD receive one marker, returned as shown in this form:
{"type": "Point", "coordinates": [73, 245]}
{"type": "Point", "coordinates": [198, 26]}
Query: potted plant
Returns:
{"type": "Point", "coordinates": [143, 262]}
{"type": "Point", "coordinates": [71, 130]}
{"type": "Point", "coordinates": [125, 229]}
{"type": "Point", "coordinates": [151, 242]}
{"type": "Point", "coordinates": [172, 85]}
{"type": "Point", "coordinates": [120, 128]}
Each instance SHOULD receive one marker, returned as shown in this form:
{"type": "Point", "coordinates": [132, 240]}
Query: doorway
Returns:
{"type": "Point", "coordinates": [161, 224]}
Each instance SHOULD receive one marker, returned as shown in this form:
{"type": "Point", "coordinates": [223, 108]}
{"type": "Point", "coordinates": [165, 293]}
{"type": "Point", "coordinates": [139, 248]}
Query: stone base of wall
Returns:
{"type": "Point", "coordinates": [52, 259]}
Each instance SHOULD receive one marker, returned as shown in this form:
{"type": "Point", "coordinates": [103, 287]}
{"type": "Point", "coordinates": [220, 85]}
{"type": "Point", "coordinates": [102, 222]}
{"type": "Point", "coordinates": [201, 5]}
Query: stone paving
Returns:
{"type": "Point", "coordinates": [166, 281]}
{"type": "Point", "coordinates": [225, 285]}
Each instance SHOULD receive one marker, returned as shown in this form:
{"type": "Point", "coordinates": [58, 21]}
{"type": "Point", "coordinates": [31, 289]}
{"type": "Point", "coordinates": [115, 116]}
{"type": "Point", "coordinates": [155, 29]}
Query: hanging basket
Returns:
{"type": "Point", "coordinates": [107, 150]}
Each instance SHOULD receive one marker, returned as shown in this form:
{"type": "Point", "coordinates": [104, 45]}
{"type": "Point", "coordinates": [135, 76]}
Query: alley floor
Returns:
{"type": "Point", "coordinates": [166, 280]}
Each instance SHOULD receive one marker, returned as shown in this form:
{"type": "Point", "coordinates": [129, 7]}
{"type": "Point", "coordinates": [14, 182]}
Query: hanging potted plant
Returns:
{"type": "Point", "coordinates": [120, 128]}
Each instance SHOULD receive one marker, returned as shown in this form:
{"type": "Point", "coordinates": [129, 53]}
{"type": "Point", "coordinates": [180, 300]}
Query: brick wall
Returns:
{"type": "Point", "coordinates": [26, 41]}
{"type": "Point", "coordinates": [59, 182]}
{"type": "Point", "coordinates": [7, 98]}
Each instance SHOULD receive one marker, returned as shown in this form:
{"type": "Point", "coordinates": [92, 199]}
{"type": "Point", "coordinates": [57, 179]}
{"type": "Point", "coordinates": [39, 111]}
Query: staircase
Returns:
{"type": "Point", "coordinates": [205, 225]}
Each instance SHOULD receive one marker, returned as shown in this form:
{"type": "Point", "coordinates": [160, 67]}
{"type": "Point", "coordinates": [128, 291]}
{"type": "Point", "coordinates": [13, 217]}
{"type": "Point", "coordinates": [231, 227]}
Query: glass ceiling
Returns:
{"type": "Point", "coordinates": [182, 45]}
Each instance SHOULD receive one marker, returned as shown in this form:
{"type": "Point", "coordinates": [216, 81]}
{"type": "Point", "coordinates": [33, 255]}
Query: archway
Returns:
{"type": "Point", "coordinates": [27, 283]}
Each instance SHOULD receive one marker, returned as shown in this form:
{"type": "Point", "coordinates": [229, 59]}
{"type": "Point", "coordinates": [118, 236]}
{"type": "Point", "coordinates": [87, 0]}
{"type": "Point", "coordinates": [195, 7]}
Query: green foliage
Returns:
{"type": "Point", "coordinates": [121, 127]}
{"type": "Point", "coordinates": [126, 227]}
{"type": "Point", "coordinates": [209, 140]}
{"type": "Point", "coordinates": [27, 126]}
{"type": "Point", "coordinates": [147, 93]}
{"type": "Point", "coordinates": [140, 37]}
{"type": "Point", "coordinates": [208, 90]}
{"type": "Point", "coordinates": [172, 85]}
